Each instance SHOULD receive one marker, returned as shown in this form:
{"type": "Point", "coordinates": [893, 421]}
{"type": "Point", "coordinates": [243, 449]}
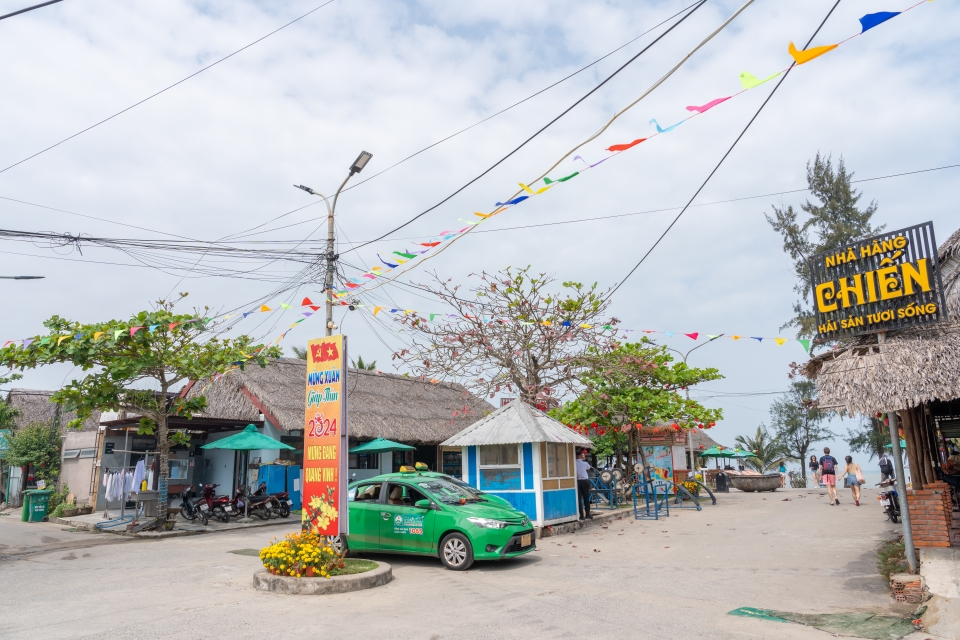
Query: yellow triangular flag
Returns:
{"type": "Point", "coordinates": [97, 335]}
{"type": "Point", "coordinates": [780, 341]}
{"type": "Point", "coordinates": [61, 339]}
{"type": "Point", "coordinates": [377, 310]}
{"type": "Point", "coordinates": [736, 337]}
{"type": "Point", "coordinates": [265, 308]}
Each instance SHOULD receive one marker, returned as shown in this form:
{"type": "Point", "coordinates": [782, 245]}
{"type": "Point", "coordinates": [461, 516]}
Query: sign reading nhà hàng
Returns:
{"type": "Point", "coordinates": [889, 281]}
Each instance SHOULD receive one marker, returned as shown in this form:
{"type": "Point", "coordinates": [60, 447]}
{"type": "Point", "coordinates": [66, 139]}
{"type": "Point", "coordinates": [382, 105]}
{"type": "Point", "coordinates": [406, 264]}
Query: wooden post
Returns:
{"type": "Point", "coordinates": [916, 466]}
{"type": "Point", "coordinates": [929, 452]}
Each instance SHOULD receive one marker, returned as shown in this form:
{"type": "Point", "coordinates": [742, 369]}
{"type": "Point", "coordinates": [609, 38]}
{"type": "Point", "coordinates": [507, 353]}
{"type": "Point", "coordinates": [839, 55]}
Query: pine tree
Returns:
{"type": "Point", "coordinates": [833, 222]}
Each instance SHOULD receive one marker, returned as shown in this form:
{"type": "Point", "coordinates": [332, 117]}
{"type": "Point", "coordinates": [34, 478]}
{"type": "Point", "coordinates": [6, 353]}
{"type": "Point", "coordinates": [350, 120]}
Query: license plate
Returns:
{"type": "Point", "coordinates": [884, 502]}
{"type": "Point", "coordinates": [204, 507]}
{"type": "Point", "coordinates": [290, 502]}
{"type": "Point", "coordinates": [525, 540]}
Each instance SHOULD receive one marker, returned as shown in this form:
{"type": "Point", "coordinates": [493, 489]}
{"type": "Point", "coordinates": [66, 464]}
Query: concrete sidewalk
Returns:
{"type": "Point", "coordinates": [181, 528]}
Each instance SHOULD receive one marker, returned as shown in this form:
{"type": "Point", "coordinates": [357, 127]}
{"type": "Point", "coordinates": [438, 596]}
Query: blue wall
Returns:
{"type": "Point", "coordinates": [559, 504]}
{"type": "Point", "coordinates": [527, 465]}
{"type": "Point", "coordinates": [472, 466]}
{"type": "Point", "coordinates": [522, 501]}
{"type": "Point", "coordinates": [500, 479]}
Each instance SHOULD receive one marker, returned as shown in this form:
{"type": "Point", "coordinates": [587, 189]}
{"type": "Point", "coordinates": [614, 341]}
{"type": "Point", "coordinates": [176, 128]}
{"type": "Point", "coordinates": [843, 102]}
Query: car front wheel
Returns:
{"type": "Point", "coordinates": [456, 553]}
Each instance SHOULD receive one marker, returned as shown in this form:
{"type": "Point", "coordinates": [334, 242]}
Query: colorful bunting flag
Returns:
{"type": "Point", "coordinates": [871, 20]}
{"type": "Point", "coordinates": [750, 81]}
{"type": "Point", "coordinates": [653, 121]}
{"type": "Point", "coordinates": [805, 56]}
{"type": "Point", "coordinates": [709, 105]}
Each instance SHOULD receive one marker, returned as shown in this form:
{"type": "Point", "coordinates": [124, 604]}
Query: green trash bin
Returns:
{"type": "Point", "coordinates": [35, 503]}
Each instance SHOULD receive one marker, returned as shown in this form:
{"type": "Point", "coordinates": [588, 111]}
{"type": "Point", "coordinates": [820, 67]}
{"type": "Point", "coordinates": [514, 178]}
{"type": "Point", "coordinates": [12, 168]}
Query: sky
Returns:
{"type": "Point", "coordinates": [219, 154]}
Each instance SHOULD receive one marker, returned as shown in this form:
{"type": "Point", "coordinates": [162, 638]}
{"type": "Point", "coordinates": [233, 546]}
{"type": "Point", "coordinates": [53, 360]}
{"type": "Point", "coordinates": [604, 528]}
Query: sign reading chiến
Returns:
{"type": "Point", "coordinates": [889, 281]}
{"type": "Point", "coordinates": [325, 438]}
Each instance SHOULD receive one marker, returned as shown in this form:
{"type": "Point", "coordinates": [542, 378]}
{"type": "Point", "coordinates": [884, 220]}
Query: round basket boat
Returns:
{"type": "Point", "coordinates": [766, 482]}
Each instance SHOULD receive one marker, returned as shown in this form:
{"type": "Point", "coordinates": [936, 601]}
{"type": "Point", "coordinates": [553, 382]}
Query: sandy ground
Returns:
{"type": "Point", "coordinates": [674, 578]}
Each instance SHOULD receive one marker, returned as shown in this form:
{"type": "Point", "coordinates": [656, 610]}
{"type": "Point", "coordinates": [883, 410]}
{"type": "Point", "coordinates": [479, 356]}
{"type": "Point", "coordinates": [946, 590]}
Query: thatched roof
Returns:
{"type": "Point", "coordinates": [35, 408]}
{"type": "Point", "coordinates": [380, 405]}
{"type": "Point", "coordinates": [914, 366]}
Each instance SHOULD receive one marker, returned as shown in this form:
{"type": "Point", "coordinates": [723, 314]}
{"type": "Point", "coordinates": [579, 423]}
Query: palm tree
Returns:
{"type": "Point", "coordinates": [359, 364]}
{"type": "Point", "coordinates": [299, 352]}
{"type": "Point", "coordinates": [770, 453]}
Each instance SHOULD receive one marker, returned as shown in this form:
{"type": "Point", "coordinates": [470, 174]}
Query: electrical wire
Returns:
{"type": "Point", "coordinates": [165, 89]}
{"type": "Point", "coordinates": [704, 184]}
{"type": "Point", "coordinates": [542, 129]}
{"type": "Point", "coordinates": [36, 6]}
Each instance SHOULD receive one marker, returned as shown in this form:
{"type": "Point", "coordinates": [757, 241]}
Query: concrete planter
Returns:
{"type": "Point", "coordinates": [766, 482]}
{"type": "Point", "coordinates": [265, 581]}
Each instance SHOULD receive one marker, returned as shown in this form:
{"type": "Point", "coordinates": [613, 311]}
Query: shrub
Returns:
{"type": "Point", "coordinates": [301, 554]}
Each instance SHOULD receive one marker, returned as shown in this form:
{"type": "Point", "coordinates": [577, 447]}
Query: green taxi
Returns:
{"type": "Point", "coordinates": [431, 514]}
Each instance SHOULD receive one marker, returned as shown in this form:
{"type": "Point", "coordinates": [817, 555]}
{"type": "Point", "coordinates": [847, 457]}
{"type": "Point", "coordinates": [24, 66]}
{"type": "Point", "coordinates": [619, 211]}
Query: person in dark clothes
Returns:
{"type": "Point", "coordinates": [583, 484]}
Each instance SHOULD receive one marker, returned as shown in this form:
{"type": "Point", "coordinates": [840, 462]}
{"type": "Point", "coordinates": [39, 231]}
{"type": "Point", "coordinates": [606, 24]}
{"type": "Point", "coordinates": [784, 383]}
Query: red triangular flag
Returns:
{"type": "Point", "coordinates": [314, 307]}
{"type": "Point", "coordinates": [306, 302]}
{"type": "Point", "coordinates": [692, 336]}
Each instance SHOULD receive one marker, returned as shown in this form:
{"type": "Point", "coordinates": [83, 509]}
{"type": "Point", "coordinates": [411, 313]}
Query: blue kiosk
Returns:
{"type": "Point", "coordinates": [525, 457]}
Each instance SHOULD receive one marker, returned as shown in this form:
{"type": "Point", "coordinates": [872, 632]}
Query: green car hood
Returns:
{"type": "Point", "coordinates": [481, 510]}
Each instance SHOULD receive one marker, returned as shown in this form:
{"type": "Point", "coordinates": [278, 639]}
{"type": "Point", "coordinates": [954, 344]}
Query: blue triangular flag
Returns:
{"type": "Point", "coordinates": [871, 20]}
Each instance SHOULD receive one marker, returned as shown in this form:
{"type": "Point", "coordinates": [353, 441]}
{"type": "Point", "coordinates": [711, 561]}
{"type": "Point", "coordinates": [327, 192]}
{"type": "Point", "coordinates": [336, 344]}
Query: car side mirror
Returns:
{"type": "Point", "coordinates": [423, 504]}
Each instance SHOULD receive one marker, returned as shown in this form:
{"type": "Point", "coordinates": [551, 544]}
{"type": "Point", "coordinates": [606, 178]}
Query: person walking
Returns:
{"type": "Point", "coordinates": [828, 473]}
{"type": "Point", "coordinates": [583, 485]}
{"type": "Point", "coordinates": [783, 474]}
{"type": "Point", "coordinates": [853, 478]}
{"type": "Point", "coordinates": [886, 468]}
{"type": "Point", "coordinates": [815, 470]}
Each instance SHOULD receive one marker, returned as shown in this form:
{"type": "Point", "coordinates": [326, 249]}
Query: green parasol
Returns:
{"type": "Point", "coordinates": [903, 445]}
{"type": "Point", "coordinates": [381, 445]}
{"type": "Point", "coordinates": [716, 452]}
{"type": "Point", "coordinates": [247, 440]}
{"type": "Point", "coordinates": [743, 453]}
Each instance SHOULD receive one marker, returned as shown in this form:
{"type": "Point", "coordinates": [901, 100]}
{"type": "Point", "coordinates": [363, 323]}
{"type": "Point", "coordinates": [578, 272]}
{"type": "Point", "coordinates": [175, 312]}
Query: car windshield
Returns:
{"type": "Point", "coordinates": [463, 485]}
{"type": "Point", "coordinates": [447, 492]}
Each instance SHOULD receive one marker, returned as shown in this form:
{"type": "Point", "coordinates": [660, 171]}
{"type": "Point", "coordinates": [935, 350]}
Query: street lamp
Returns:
{"type": "Point", "coordinates": [687, 392]}
{"type": "Point", "coordinates": [356, 167]}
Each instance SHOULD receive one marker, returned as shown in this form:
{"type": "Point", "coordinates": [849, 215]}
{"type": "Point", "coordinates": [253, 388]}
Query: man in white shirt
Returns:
{"type": "Point", "coordinates": [583, 485]}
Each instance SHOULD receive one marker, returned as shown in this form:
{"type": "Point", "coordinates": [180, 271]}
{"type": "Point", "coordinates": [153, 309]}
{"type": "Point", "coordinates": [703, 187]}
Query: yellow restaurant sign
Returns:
{"type": "Point", "coordinates": [885, 282]}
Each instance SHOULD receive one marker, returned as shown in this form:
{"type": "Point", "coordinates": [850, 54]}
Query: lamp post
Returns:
{"type": "Point", "coordinates": [687, 392]}
{"type": "Point", "coordinates": [331, 257]}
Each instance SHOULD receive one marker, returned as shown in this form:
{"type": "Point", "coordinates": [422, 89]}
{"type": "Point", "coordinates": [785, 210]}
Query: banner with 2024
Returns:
{"type": "Point", "coordinates": [324, 437]}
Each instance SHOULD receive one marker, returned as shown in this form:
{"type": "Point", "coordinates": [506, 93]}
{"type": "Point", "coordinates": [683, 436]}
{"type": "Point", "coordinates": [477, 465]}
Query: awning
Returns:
{"type": "Point", "coordinates": [247, 440]}
{"type": "Point", "coordinates": [381, 445]}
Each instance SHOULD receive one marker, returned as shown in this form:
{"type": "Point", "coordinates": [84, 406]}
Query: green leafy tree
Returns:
{"type": "Point", "coordinates": [631, 384]}
{"type": "Point", "coordinates": [797, 421]}
{"type": "Point", "coordinates": [36, 446]}
{"type": "Point", "coordinates": [8, 416]}
{"type": "Point", "coordinates": [135, 365]}
{"type": "Point", "coordinates": [770, 453]}
{"type": "Point", "coordinates": [832, 222]}
{"type": "Point", "coordinates": [871, 437]}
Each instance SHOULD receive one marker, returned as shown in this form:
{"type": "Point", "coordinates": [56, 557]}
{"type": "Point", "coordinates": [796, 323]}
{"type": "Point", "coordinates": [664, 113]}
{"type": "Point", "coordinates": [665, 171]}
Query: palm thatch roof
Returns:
{"type": "Point", "coordinates": [380, 405]}
{"type": "Point", "coordinates": [913, 366]}
{"type": "Point", "coordinates": [35, 408]}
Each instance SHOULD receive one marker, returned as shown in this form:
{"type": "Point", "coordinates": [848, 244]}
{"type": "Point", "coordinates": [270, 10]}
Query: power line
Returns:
{"type": "Point", "coordinates": [36, 6]}
{"type": "Point", "coordinates": [150, 97]}
{"type": "Point", "coordinates": [542, 129]}
{"type": "Point", "coordinates": [729, 151]}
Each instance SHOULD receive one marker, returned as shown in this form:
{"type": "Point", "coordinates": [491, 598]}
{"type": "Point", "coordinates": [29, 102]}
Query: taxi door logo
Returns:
{"type": "Point", "coordinates": [321, 451]}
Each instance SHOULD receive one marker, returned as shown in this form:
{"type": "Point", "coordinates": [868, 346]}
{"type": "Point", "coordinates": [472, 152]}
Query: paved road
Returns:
{"type": "Point", "coordinates": [676, 578]}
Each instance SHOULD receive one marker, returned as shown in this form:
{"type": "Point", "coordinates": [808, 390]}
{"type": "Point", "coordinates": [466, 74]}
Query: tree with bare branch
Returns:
{"type": "Point", "coordinates": [523, 334]}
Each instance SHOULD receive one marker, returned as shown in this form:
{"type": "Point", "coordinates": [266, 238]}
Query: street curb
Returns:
{"type": "Point", "coordinates": [175, 533]}
{"type": "Point", "coordinates": [599, 518]}
{"type": "Point", "coordinates": [265, 581]}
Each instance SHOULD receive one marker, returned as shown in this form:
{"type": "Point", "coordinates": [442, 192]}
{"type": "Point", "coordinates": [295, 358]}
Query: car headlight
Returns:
{"type": "Point", "coordinates": [489, 523]}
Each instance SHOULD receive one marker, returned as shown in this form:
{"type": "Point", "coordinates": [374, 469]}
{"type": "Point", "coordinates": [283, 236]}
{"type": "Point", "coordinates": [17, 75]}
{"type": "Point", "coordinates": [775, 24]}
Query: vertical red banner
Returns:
{"type": "Point", "coordinates": [325, 438]}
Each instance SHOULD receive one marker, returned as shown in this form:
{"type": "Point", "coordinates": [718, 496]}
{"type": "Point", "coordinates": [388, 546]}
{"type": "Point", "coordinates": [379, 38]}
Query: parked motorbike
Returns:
{"type": "Point", "coordinates": [220, 507]}
{"type": "Point", "coordinates": [890, 501]}
{"type": "Point", "coordinates": [259, 503]}
{"type": "Point", "coordinates": [194, 508]}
